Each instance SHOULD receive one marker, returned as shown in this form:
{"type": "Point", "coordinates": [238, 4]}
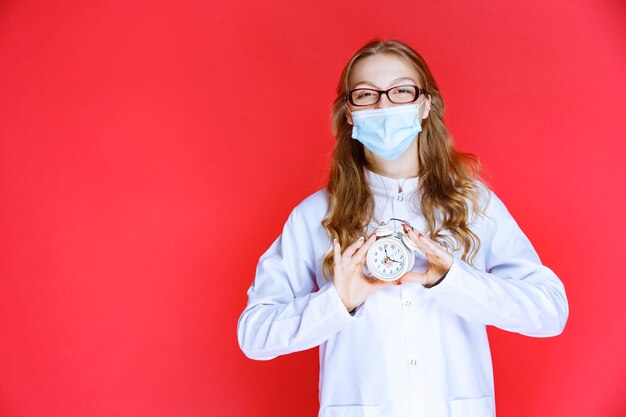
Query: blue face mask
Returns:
{"type": "Point", "coordinates": [388, 132]}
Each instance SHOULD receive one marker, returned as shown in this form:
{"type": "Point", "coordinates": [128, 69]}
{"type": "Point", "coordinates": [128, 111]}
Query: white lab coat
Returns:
{"type": "Point", "coordinates": [408, 350]}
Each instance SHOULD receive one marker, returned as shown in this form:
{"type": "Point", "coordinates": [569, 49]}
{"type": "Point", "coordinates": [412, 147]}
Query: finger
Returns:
{"type": "Point", "coordinates": [421, 242]}
{"type": "Point", "coordinates": [413, 235]}
{"type": "Point", "coordinates": [437, 255]}
{"type": "Point", "coordinates": [353, 247]}
{"type": "Point", "coordinates": [425, 244]}
{"type": "Point", "coordinates": [359, 256]}
{"type": "Point", "coordinates": [336, 252]}
{"type": "Point", "coordinates": [432, 245]}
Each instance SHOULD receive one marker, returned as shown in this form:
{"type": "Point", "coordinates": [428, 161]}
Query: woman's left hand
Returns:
{"type": "Point", "coordinates": [440, 259]}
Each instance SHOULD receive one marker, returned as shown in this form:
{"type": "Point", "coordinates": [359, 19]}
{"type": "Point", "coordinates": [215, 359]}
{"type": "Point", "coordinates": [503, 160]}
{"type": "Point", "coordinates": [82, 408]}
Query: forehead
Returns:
{"type": "Point", "coordinates": [381, 70]}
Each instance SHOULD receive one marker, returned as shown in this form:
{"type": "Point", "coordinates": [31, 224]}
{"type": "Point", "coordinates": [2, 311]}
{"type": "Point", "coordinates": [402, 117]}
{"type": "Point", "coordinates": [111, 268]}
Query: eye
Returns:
{"type": "Point", "coordinates": [363, 94]}
{"type": "Point", "coordinates": [404, 90]}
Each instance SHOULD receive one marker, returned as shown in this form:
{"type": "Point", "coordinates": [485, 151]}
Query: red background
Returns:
{"type": "Point", "coordinates": [150, 152]}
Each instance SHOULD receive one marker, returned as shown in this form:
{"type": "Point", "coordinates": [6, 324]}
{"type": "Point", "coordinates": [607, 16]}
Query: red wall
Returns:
{"type": "Point", "coordinates": [150, 152]}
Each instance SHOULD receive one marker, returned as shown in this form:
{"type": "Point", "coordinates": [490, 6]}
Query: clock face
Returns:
{"type": "Point", "coordinates": [386, 259]}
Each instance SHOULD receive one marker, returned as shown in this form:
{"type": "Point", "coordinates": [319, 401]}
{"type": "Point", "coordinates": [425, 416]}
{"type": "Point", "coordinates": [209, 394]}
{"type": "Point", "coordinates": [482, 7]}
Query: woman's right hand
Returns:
{"type": "Point", "coordinates": [352, 286]}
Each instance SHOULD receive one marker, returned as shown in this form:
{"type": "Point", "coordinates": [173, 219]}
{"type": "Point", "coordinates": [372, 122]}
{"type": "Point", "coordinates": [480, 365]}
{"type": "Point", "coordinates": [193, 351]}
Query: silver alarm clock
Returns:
{"type": "Point", "coordinates": [392, 255]}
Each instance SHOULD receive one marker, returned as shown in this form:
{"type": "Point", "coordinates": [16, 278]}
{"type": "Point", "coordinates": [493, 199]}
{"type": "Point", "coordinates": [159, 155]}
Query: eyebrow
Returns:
{"type": "Point", "coordinates": [392, 82]}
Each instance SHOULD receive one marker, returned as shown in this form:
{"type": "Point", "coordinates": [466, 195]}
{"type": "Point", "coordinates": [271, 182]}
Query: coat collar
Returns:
{"type": "Point", "coordinates": [387, 186]}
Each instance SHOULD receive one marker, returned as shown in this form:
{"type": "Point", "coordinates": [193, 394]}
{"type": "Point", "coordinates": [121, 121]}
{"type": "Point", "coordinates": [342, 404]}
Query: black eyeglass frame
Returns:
{"type": "Point", "coordinates": [419, 92]}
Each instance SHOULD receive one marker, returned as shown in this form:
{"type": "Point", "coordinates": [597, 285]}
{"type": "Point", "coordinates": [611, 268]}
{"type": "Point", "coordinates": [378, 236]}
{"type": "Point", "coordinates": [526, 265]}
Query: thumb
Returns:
{"type": "Point", "coordinates": [419, 277]}
{"type": "Point", "coordinates": [379, 284]}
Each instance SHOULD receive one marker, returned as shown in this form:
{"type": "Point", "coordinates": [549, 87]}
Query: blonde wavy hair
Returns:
{"type": "Point", "coordinates": [448, 179]}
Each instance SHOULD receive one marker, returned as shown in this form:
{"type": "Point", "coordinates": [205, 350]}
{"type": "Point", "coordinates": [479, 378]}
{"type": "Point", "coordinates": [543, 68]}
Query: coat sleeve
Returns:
{"type": "Point", "coordinates": [286, 312]}
{"type": "Point", "coordinates": [515, 292]}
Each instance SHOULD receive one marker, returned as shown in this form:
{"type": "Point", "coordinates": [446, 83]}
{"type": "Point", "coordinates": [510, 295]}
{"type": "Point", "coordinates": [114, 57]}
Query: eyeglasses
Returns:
{"type": "Point", "coordinates": [401, 94]}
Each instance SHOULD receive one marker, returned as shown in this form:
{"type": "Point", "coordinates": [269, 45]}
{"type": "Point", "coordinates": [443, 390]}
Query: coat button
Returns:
{"type": "Point", "coordinates": [413, 362]}
{"type": "Point", "coordinates": [400, 198]}
{"type": "Point", "coordinates": [407, 303]}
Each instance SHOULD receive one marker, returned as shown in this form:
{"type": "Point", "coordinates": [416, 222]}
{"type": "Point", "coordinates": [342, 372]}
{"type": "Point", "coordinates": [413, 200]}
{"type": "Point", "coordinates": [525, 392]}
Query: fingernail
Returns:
{"type": "Point", "coordinates": [334, 240]}
{"type": "Point", "coordinates": [361, 238]}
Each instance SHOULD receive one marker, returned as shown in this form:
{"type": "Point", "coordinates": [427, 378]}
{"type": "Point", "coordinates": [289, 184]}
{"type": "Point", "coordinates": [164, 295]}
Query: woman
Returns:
{"type": "Point", "coordinates": [420, 348]}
